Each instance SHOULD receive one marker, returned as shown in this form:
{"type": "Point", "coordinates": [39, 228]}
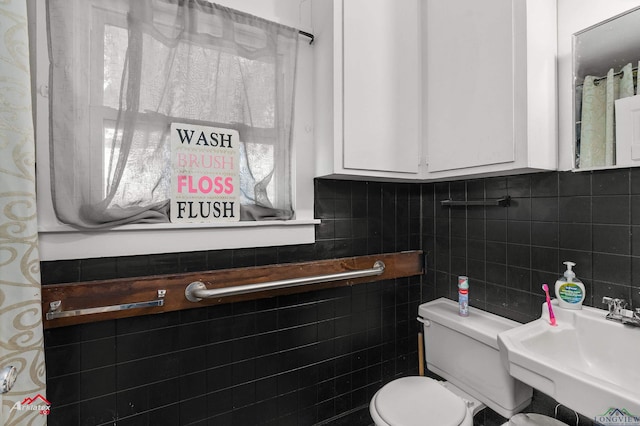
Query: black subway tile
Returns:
{"type": "Point", "coordinates": [342, 190]}
{"type": "Point", "coordinates": [193, 261]}
{"type": "Point", "coordinates": [97, 383]}
{"type": "Point", "coordinates": [243, 258]}
{"type": "Point", "coordinates": [98, 269]}
{"type": "Point", "coordinates": [519, 255]}
{"type": "Point", "coordinates": [635, 181]}
{"type": "Point", "coordinates": [496, 275]}
{"type": "Point", "coordinates": [133, 266]}
{"type": "Point", "coordinates": [545, 234]}
{"type": "Point", "coordinates": [544, 185]}
{"type": "Point", "coordinates": [97, 353]}
{"type": "Point", "coordinates": [167, 415]}
{"type": "Point", "coordinates": [613, 239]}
{"type": "Point", "coordinates": [544, 258]}
{"type": "Point", "coordinates": [495, 187]}
{"type": "Point", "coordinates": [519, 278]}
{"type": "Point", "coordinates": [325, 188]}
{"type": "Point", "coordinates": [193, 410]}
{"type": "Point", "coordinates": [220, 259]}
{"type": "Point", "coordinates": [496, 252]}
{"type": "Point", "coordinates": [99, 410]}
{"type": "Point", "coordinates": [519, 232]}
{"type": "Point", "coordinates": [63, 360]}
{"type": "Point", "coordinates": [576, 236]}
{"type": "Point", "coordinates": [574, 209]}
{"type": "Point", "coordinates": [611, 182]}
{"type": "Point", "coordinates": [496, 230]}
{"type": "Point", "coordinates": [63, 415]}
{"type": "Point", "coordinates": [635, 209]}
{"type": "Point", "coordinates": [132, 402]}
{"type": "Point", "coordinates": [611, 209]}
{"type": "Point", "coordinates": [519, 186]}
{"type": "Point", "coordinates": [574, 184]}
{"type": "Point", "coordinates": [63, 336]}
{"type": "Point", "coordinates": [60, 271]}
{"type": "Point", "coordinates": [342, 208]}
{"type": "Point", "coordinates": [475, 189]}
{"type": "Point", "coordinates": [520, 209]}
{"type": "Point", "coordinates": [544, 209]}
{"type": "Point", "coordinates": [612, 268]}
{"type": "Point", "coordinates": [476, 229]}
{"type": "Point", "coordinates": [476, 250]}
{"type": "Point", "coordinates": [163, 264]}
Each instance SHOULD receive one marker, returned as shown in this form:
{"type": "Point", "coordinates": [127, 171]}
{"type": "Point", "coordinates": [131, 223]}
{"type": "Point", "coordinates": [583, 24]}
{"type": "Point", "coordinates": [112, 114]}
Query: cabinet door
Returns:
{"type": "Point", "coordinates": [470, 83]}
{"type": "Point", "coordinates": [381, 85]}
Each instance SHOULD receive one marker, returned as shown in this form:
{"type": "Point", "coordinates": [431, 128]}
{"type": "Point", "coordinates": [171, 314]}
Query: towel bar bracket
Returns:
{"type": "Point", "coordinates": [192, 288]}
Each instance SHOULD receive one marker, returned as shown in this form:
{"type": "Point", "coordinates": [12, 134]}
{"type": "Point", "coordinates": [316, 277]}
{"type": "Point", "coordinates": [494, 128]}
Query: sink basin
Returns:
{"type": "Point", "coordinates": [586, 362]}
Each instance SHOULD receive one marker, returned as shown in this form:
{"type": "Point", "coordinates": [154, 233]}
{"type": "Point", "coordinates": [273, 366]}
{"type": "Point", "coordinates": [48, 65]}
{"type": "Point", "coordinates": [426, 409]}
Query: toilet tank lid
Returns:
{"type": "Point", "coordinates": [480, 325]}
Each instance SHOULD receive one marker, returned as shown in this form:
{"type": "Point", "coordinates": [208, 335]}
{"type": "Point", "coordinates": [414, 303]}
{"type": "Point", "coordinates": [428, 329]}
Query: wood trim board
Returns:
{"type": "Point", "coordinates": [122, 291]}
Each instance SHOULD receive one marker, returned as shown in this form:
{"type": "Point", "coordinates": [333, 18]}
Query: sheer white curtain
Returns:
{"type": "Point", "coordinates": [597, 134]}
{"type": "Point", "coordinates": [21, 337]}
{"type": "Point", "coordinates": [122, 71]}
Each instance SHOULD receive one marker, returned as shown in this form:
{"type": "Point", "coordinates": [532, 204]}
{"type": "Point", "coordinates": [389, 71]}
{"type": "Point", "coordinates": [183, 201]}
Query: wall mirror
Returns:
{"type": "Point", "coordinates": [605, 64]}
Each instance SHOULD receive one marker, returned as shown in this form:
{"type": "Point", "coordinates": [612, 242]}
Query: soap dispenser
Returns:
{"type": "Point", "coordinates": [570, 290]}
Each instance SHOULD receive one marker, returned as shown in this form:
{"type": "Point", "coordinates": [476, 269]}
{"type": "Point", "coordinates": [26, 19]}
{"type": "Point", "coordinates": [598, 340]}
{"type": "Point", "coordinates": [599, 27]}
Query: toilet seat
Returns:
{"type": "Point", "coordinates": [416, 401]}
{"type": "Point", "coordinates": [419, 401]}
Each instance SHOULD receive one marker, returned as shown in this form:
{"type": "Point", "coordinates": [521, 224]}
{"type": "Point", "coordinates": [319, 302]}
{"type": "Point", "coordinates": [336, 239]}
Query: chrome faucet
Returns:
{"type": "Point", "coordinates": [618, 312]}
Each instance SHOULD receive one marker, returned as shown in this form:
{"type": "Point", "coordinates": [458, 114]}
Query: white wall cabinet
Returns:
{"type": "Point", "coordinates": [489, 87]}
{"type": "Point", "coordinates": [368, 97]}
{"type": "Point", "coordinates": [432, 89]}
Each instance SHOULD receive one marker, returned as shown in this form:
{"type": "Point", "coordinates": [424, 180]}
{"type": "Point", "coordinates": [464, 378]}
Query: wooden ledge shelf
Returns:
{"type": "Point", "coordinates": [91, 301]}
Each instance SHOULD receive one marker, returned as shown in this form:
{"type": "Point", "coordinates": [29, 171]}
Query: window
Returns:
{"type": "Point", "coordinates": [147, 162]}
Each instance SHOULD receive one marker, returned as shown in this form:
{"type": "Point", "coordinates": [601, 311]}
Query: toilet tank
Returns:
{"type": "Point", "coordinates": [464, 351]}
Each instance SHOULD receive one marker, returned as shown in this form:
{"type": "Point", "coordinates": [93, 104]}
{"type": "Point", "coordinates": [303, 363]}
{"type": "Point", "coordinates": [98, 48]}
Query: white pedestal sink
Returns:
{"type": "Point", "coordinates": [586, 362]}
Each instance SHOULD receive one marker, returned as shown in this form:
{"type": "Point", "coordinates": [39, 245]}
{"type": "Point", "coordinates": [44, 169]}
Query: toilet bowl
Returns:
{"type": "Point", "coordinates": [421, 401]}
{"type": "Point", "coordinates": [463, 351]}
{"type": "Point", "coordinates": [411, 400]}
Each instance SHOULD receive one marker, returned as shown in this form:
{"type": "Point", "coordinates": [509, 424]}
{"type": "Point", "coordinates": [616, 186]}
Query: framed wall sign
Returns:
{"type": "Point", "coordinates": [205, 174]}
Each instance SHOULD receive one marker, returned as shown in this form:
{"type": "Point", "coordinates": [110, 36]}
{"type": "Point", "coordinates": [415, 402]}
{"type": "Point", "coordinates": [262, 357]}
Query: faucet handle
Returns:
{"type": "Point", "coordinates": [620, 304]}
{"type": "Point", "coordinates": [609, 302]}
{"type": "Point", "coordinates": [615, 305]}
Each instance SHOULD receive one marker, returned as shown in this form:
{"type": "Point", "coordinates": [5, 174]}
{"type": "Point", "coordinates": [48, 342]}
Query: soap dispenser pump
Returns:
{"type": "Point", "coordinates": [570, 290]}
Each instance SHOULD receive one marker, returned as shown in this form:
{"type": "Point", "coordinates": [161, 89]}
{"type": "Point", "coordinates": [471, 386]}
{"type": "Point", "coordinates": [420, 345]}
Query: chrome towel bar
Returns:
{"type": "Point", "coordinates": [55, 308]}
{"type": "Point", "coordinates": [502, 202]}
{"type": "Point", "coordinates": [197, 290]}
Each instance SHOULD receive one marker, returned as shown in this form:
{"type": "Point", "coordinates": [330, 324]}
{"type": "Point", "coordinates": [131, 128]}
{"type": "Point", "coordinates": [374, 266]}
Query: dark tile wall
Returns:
{"type": "Point", "coordinates": [314, 358]}
{"type": "Point", "coordinates": [317, 358]}
{"type": "Point", "coordinates": [591, 218]}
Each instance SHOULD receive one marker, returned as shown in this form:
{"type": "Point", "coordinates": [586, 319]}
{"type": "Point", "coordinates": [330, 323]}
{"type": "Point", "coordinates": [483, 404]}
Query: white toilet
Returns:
{"type": "Point", "coordinates": [464, 351]}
